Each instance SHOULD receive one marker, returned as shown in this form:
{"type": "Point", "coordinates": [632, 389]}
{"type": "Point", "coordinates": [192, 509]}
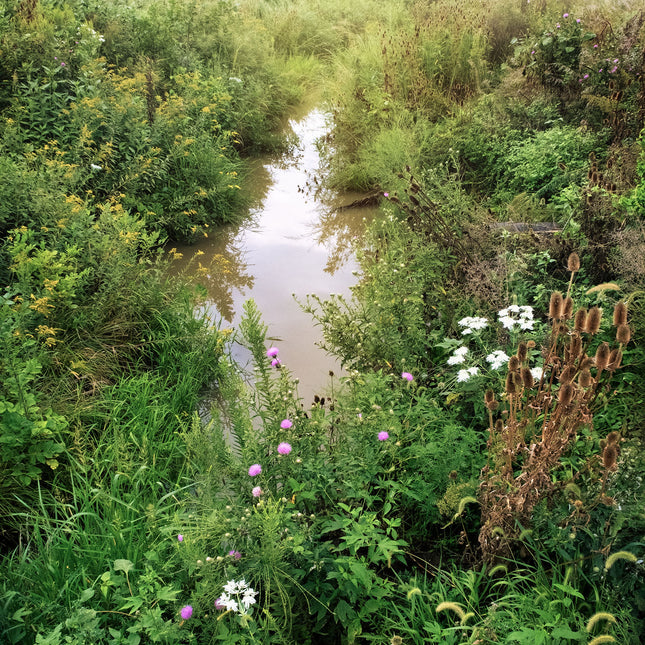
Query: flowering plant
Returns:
{"type": "Point", "coordinates": [237, 597]}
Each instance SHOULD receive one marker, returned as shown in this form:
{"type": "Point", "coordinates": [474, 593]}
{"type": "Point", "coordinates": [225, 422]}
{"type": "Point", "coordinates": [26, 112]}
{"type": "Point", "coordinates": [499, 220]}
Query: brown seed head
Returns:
{"type": "Point", "coordinates": [575, 345]}
{"type": "Point", "coordinates": [620, 314]}
{"type": "Point", "coordinates": [586, 363]}
{"type": "Point", "coordinates": [530, 344]}
{"type": "Point", "coordinates": [513, 363]}
{"type": "Point", "coordinates": [527, 378]}
{"type": "Point", "coordinates": [609, 456]}
{"type": "Point", "coordinates": [499, 426]}
{"type": "Point", "coordinates": [511, 383]}
{"type": "Point", "coordinates": [613, 437]}
{"type": "Point", "coordinates": [593, 320]}
{"type": "Point", "coordinates": [567, 374]}
{"type": "Point", "coordinates": [565, 395]}
{"type": "Point", "coordinates": [585, 379]}
{"type": "Point", "coordinates": [623, 334]}
{"type": "Point", "coordinates": [522, 351]}
{"type": "Point", "coordinates": [489, 396]}
{"type": "Point", "coordinates": [573, 263]}
{"type": "Point", "coordinates": [602, 356]}
{"type": "Point", "coordinates": [580, 320]}
{"type": "Point", "coordinates": [555, 305]}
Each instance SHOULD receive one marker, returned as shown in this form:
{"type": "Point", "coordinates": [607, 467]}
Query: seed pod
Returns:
{"type": "Point", "coordinates": [499, 426]}
{"type": "Point", "coordinates": [613, 437]}
{"type": "Point", "coordinates": [555, 305]}
{"type": "Point", "coordinates": [575, 345]}
{"type": "Point", "coordinates": [489, 396]}
{"type": "Point", "coordinates": [585, 379]}
{"type": "Point", "coordinates": [567, 374]}
{"type": "Point", "coordinates": [586, 362]}
{"type": "Point", "coordinates": [593, 320]}
{"type": "Point", "coordinates": [513, 363]}
{"type": "Point", "coordinates": [580, 320]}
{"type": "Point", "coordinates": [527, 378]}
{"type": "Point", "coordinates": [511, 383]}
{"type": "Point", "coordinates": [602, 356]}
{"type": "Point", "coordinates": [620, 314]}
{"type": "Point", "coordinates": [522, 351]}
{"type": "Point", "coordinates": [615, 357]}
{"type": "Point", "coordinates": [609, 456]}
{"type": "Point", "coordinates": [567, 308]}
{"type": "Point", "coordinates": [623, 334]}
{"type": "Point", "coordinates": [565, 395]}
{"type": "Point", "coordinates": [573, 263]}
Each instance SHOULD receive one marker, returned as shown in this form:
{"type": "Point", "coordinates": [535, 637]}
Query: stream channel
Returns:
{"type": "Point", "coordinates": [293, 242]}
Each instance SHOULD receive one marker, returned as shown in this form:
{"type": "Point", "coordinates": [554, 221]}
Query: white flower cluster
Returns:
{"type": "Point", "coordinates": [497, 359]}
{"type": "Point", "coordinates": [458, 356]}
{"type": "Point", "coordinates": [471, 324]}
{"type": "Point", "coordinates": [537, 373]}
{"type": "Point", "coordinates": [520, 315]}
{"type": "Point", "coordinates": [464, 375]}
{"type": "Point", "coordinates": [238, 597]}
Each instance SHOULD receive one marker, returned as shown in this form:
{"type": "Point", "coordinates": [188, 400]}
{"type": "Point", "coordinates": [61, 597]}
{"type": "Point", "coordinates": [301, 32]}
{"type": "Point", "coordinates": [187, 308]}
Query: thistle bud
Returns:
{"type": "Point", "coordinates": [573, 263]}
{"type": "Point", "coordinates": [580, 320]}
{"type": "Point", "coordinates": [620, 314]}
{"type": "Point", "coordinates": [499, 426]}
{"type": "Point", "coordinates": [522, 351]}
{"type": "Point", "coordinates": [593, 320]}
{"type": "Point", "coordinates": [565, 395]}
{"type": "Point", "coordinates": [489, 396]}
{"type": "Point", "coordinates": [555, 305]}
{"type": "Point", "coordinates": [613, 437]}
{"type": "Point", "coordinates": [602, 356]}
{"type": "Point", "coordinates": [623, 334]}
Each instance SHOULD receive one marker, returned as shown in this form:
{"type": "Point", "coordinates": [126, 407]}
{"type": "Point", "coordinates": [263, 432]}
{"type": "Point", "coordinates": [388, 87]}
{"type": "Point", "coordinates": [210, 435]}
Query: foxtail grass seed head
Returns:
{"type": "Point", "coordinates": [603, 638]}
{"type": "Point", "coordinates": [555, 305]}
{"type": "Point", "coordinates": [620, 314]}
{"type": "Point", "coordinates": [602, 356]}
{"type": "Point", "coordinates": [522, 351]}
{"type": "Point", "coordinates": [453, 606]}
{"type": "Point", "coordinates": [600, 616]}
{"type": "Point", "coordinates": [567, 308]}
{"type": "Point", "coordinates": [565, 395]}
{"type": "Point", "coordinates": [585, 379]}
{"type": "Point", "coordinates": [623, 334]}
{"type": "Point", "coordinates": [580, 320]}
{"type": "Point", "coordinates": [573, 263]}
{"type": "Point", "coordinates": [527, 378]}
{"type": "Point", "coordinates": [619, 555]}
{"type": "Point", "coordinates": [615, 358]}
{"type": "Point", "coordinates": [593, 320]}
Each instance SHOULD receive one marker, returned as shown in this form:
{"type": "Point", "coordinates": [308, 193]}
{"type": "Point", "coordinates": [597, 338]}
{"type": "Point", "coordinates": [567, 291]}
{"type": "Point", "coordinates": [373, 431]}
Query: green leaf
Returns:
{"type": "Point", "coordinates": [123, 565]}
{"type": "Point", "coordinates": [86, 594]}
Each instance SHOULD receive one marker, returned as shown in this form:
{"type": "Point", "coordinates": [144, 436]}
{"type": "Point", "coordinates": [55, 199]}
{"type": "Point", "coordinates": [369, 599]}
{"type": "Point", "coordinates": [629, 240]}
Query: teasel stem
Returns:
{"type": "Point", "coordinates": [573, 264]}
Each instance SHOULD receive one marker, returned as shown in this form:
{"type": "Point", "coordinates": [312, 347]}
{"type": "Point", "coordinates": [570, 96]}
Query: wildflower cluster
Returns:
{"type": "Point", "coordinates": [237, 597]}
{"type": "Point", "coordinates": [520, 316]}
{"type": "Point", "coordinates": [471, 324]}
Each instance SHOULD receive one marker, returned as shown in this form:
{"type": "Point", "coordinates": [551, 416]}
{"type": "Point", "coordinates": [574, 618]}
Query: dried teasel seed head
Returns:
{"type": "Point", "coordinates": [511, 383]}
{"type": "Point", "coordinates": [593, 320]}
{"type": "Point", "coordinates": [613, 437]}
{"type": "Point", "coordinates": [580, 320]}
{"type": "Point", "coordinates": [615, 358]}
{"type": "Point", "coordinates": [623, 334]}
{"type": "Point", "coordinates": [567, 308]}
{"type": "Point", "coordinates": [602, 356]}
{"type": "Point", "coordinates": [573, 262]}
{"type": "Point", "coordinates": [609, 456]}
{"type": "Point", "coordinates": [565, 395]}
{"type": "Point", "coordinates": [522, 351]}
{"type": "Point", "coordinates": [555, 305]}
{"type": "Point", "coordinates": [530, 344]}
{"type": "Point", "coordinates": [513, 363]}
{"type": "Point", "coordinates": [585, 379]}
{"type": "Point", "coordinates": [567, 374]}
{"type": "Point", "coordinates": [603, 444]}
{"type": "Point", "coordinates": [489, 396]}
{"type": "Point", "coordinates": [527, 378]}
{"type": "Point", "coordinates": [586, 363]}
{"type": "Point", "coordinates": [620, 314]}
{"type": "Point", "coordinates": [499, 426]}
{"type": "Point", "coordinates": [575, 345]}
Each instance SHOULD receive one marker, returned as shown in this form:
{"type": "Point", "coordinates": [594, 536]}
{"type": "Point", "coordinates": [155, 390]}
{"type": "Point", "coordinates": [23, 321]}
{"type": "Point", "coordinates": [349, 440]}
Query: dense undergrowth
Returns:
{"type": "Point", "coordinates": [478, 475]}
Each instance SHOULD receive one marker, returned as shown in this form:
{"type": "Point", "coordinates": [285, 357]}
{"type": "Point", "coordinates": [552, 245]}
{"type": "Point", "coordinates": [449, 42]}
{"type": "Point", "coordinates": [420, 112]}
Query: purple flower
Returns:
{"type": "Point", "coordinates": [257, 491]}
{"type": "Point", "coordinates": [219, 605]}
{"type": "Point", "coordinates": [284, 448]}
{"type": "Point", "coordinates": [533, 53]}
{"type": "Point", "coordinates": [255, 469]}
{"type": "Point", "coordinates": [186, 612]}
{"type": "Point", "coordinates": [557, 26]}
{"type": "Point", "coordinates": [578, 20]}
{"type": "Point", "coordinates": [386, 194]}
{"type": "Point", "coordinates": [285, 424]}
{"type": "Point", "coordinates": [586, 76]}
{"type": "Point", "coordinates": [614, 68]}
{"type": "Point", "coordinates": [407, 376]}
{"type": "Point", "coordinates": [595, 46]}
{"type": "Point", "coordinates": [272, 352]}
{"type": "Point", "coordinates": [276, 362]}
{"type": "Point", "coordinates": [180, 538]}
{"type": "Point", "coordinates": [62, 64]}
{"type": "Point", "coordinates": [235, 554]}
{"type": "Point", "coordinates": [565, 15]}
{"type": "Point", "coordinates": [615, 60]}
{"type": "Point", "coordinates": [383, 436]}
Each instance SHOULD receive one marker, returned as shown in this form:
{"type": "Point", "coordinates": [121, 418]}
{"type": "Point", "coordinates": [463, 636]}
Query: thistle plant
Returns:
{"type": "Point", "coordinates": [539, 418]}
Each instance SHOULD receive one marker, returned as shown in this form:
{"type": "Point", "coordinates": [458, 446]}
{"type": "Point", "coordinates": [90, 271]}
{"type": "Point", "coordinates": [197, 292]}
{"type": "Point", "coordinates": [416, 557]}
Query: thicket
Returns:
{"type": "Point", "coordinates": [476, 477]}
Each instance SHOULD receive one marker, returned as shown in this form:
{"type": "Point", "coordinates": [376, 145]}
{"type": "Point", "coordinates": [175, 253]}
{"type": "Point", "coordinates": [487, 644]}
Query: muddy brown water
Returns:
{"type": "Point", "coordinates": [293, 242]}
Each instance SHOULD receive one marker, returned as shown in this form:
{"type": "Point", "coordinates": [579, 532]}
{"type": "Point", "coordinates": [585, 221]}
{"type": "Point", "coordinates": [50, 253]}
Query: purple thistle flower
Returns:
{"type": "Point", "coordinates": [565, 15]}
{"type": "Point", "coordinates": [62, 64]}
{"type": "Point", "coordinates": [276, 362]}
{"type": "Point", "coordinates": [255, 469]}
{"type": "Point", "coordinates": [272, 352]}
{"type": "Point", "coordinates": [383, 436]}
{"type": "Point", "coordinates": [407, 376]}
{"type": "Point", "coordinates": [284, 448]}
{"type": "Point", "coordinates": [235, 554]}
{"type": "Point", "coordinates": [386, 194]}
{"type": "Point", "coordinates": [285, 424]}
{"type": "Point", "coordinates": [180, 538]}
{"type": "Point", "coordinates": [578, 20]}
{"type": "Point", "coordinates": [186, 612]}
{"type": "Point", "coordinates": [595, 46]}
{"type": "Point", "coordinates": [586, 76]}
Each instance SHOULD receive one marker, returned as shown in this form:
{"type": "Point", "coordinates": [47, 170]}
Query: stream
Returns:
{"type": "Point", "coordinates": [293, 242]}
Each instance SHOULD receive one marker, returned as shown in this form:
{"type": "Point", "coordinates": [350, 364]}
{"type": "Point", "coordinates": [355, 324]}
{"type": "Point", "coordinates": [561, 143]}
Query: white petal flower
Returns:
{"type": "Point", "coordinates": [502, 313]}
{"type": "Point", "coordinates": [462, 375]}
{"type": "Point", "coordinates": [461, 351]}
{"type": "Point", "coordinates": [507, 322]}
{"type": "Point", "coordinates": [527, 311]}
{"type": "Point", "coordinates": [473, 371]}
{"type": "Point", "coordinates": [466, 331]}
{"type": "Point", "coordinates": [537, 373]}
{"type": "Point", "coordinates": [231, 605]}
{"type": "Point", "coordinates": [526, 324]}
{"type": "Point", "coordinates": [456, 359]}
{"type": "Point", "coordinates": [514, 309]}
{"type": "Point", "coordinates": [230, 587]}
